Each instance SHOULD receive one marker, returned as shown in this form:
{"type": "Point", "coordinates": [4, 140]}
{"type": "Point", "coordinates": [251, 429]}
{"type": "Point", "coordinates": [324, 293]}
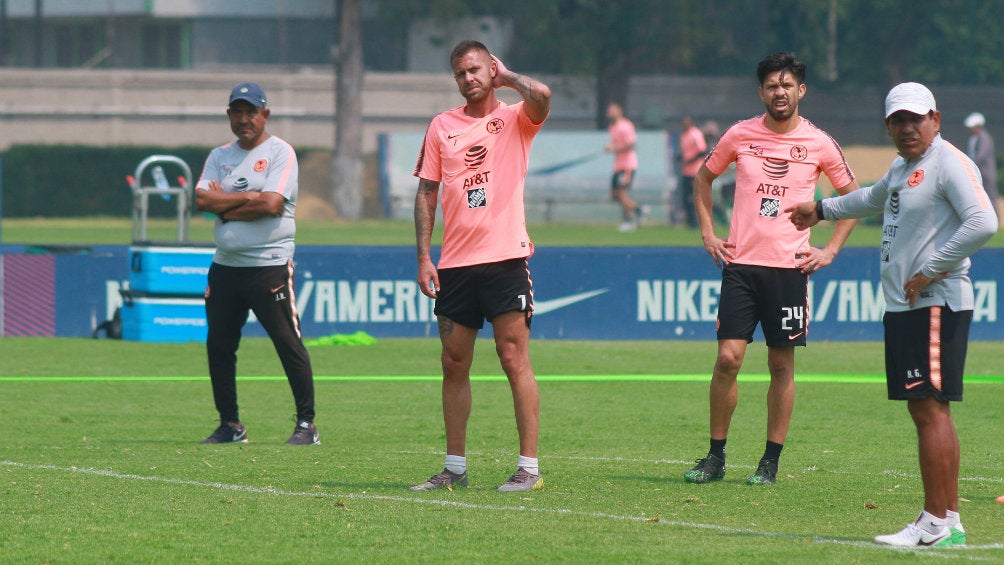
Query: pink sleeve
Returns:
{"type": "Point", "coordinates": [835, 166]}
{"type": "Point", "coordinates": [724, 152]}
{"type": "Point", "coordinates": [428, 166]}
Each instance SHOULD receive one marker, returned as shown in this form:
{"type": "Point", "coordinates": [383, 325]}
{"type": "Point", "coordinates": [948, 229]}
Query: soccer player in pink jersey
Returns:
{"type": "Point", "coordinates": [478, 153]}
{"type": "Point", "coordinates": [693, 150]}
{"type": "Point", "coordinates": [622, 141]}
{"type": "Point", "coordinates": [765, 260]}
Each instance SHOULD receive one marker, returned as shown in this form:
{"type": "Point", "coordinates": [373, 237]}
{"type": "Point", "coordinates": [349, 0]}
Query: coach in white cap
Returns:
{"type": "Point", "coordinates": [935, 215]}
{"type": "Point", "coordinates": [980, 148]}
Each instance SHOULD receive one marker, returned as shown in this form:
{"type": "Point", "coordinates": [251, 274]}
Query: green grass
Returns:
{"type": "Point", "coordinates": [108, 469]}
{"type": "Point", "coordinates": [101, 462]}
{"type": "Point", "coordinates": [105, 231]}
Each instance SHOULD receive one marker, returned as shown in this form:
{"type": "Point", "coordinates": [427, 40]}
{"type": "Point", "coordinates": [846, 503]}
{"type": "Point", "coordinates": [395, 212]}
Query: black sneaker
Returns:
{"type": "Point", "coordinates": [765, 474]}
{"type": "Point", "coordinates": [445, 479]}
{"type": "Point", "coordinates": [228, 433]}
{"type": "Point", "coordinates": [711, 468]}
{"type": "Point", "coordinates": [304, 434]}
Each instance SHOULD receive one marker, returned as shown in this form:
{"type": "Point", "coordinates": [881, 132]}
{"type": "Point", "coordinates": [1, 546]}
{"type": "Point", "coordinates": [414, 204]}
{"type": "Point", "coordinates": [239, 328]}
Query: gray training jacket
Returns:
{"type": "Point", "coordinates": [935, 214]}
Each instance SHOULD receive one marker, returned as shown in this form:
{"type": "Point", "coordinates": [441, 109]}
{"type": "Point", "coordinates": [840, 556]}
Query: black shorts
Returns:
{"type": "Point", "coordinates": [617, 181]}
{"type": "Point", "coordinates": [775, 298]}
{"type": "Point", "coordinates": [469, 295]}
{"type": "Point", "coordinates": [925, 352]}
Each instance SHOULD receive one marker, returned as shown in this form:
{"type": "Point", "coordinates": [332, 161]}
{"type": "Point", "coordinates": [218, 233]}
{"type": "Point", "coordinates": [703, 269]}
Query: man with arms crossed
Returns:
{"type": "Point", "coordinates": [479, 153]}
{"type": "Point", "coordinates": [935, 214]}
{"type": "Point", "coordinates": [251, 185]}
{"type": "Point", "coordinates": [778, 157]}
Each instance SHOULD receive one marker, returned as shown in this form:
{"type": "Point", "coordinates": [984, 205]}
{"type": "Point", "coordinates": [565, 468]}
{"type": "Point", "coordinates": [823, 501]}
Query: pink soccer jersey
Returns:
{"type": "Point", "coordinates": [622, 133]}
{"type": "Point", "coordinates": [481, 163]}
{"type": "Point", "coordinates": [692, 144]}
{"type": "Point", "coordinates": [774, 171]}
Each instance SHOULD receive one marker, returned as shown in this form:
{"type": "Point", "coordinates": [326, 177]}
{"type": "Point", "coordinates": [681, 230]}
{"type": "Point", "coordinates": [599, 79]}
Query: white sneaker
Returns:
{"type": "Point", "coordinates": [627, 226]}
{"type": "Point", "coordinates": [640, 213]}
{"type": "Point", "coordinates": [915, 536]}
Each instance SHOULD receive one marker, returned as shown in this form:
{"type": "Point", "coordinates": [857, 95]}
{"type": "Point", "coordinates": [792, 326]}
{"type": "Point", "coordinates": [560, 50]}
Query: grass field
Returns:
{"type": "Point", "coordinates": [91, 231]}
{"type": "Point", "coordinates": [101, 461]}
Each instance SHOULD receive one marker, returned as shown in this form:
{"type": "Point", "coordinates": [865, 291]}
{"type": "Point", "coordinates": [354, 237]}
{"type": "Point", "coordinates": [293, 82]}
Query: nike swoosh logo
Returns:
{"type": "Point", "coordinates": [913, 385]}
{"type": "Point", "coordinates": [794, 337]}
{"type": "Point", "coordinates": [276, 289]}
{"type": "Point", "coordinates": [545, 306]}
{"type": "Point", "coordinates": [933, 540]}
{"type": "Point", "coordinates": [452, 135]}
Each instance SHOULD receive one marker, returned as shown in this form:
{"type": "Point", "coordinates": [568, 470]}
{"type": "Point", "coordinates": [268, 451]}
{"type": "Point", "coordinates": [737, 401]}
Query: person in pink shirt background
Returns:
{"type": "Point", "coordinates": [765, 260]}
{"type": "Point", "coordinates": [693, 149]}
{"type": "Point", "coordinates": [622, 144]}
{"type": "Point", "coordinates": [474, 159]}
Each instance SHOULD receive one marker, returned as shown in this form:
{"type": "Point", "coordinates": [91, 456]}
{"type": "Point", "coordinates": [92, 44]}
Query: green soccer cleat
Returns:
{"type": "Point", "coordinates": [765, 474]}
{"type": "Point", "coordinates": [711, 468]}
{"type": "Point", "coordinates": [958, 535]}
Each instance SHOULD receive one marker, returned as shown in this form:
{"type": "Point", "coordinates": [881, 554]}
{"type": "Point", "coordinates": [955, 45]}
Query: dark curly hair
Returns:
{"type": "Point", "coordinates": [781, 61]}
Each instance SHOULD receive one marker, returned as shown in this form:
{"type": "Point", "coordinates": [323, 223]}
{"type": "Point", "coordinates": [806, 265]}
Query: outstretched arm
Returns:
{"type": "Point", "coordinates": [815, 259]}
{"type": "Point", "coordinates": [536, 95]}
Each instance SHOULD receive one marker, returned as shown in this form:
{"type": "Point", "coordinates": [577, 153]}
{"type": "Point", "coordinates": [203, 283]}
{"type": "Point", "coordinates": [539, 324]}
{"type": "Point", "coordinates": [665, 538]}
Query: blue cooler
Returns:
{"type": "Point", "coordinates": [169, 269]}
{"type": "Point", "coordinates": [161, 318]}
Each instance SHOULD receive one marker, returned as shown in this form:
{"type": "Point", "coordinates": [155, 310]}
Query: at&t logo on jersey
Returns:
{"type": "Point", "coordinates": [775, 168]}
{"type": "Point", "coordinates": [475, 156]}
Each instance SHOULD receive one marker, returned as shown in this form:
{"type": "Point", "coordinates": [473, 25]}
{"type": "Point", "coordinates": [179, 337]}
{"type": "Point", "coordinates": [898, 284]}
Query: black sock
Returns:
{"type": "Point", "coordinates": [773, 451]}
{"type": "Point", "coordinates": [718, 448]}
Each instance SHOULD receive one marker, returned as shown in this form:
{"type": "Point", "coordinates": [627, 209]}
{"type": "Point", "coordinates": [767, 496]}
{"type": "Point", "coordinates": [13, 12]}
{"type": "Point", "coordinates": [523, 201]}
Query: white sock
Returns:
{"type": "Point", "coordinates": [953, 519]}
{"type": "Point", "coordinates": [528, 463]}
{"type": "Point", "coordinates": [931, 523]}
{"type": "Point", "coordinates": [456, 464]}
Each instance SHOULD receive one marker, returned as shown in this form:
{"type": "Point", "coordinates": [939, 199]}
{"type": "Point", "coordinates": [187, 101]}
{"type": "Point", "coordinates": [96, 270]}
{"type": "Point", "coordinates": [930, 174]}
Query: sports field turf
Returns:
{"type": "Point", "coordinates": [101, 463]}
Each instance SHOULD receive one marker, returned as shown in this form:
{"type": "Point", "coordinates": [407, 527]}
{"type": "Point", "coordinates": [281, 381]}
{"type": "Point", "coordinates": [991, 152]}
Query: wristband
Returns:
{"type": "Point", "coordinates": [819, 210]}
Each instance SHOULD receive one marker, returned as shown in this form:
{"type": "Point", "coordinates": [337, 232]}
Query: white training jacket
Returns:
{"type": "Point", "coordinates": [935, 215]}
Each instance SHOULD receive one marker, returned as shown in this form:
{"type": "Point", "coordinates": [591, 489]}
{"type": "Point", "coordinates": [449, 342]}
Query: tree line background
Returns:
{"type": "Point", "coordinates": [845, 42]}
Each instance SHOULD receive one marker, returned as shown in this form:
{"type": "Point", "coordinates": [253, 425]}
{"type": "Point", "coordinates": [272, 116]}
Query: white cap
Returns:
{"type": "Point", "coordinates": [910, 96]}
{"type": "Point", "coordinates": [975, 119]}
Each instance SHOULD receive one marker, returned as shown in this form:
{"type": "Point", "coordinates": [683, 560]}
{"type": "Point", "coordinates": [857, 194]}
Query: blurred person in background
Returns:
{"type": "Point", "coordinates": [623, 139]}
{"type": "Point", "coordinates": [693, 150]}
{"type": "Point", "coordinates": [980, 148]}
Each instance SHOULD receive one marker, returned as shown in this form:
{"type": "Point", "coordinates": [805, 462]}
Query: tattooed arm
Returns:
{"type": "Point", "coordinates": [426, 201]}
{"type": "Point", "coordinates": [536, 95]}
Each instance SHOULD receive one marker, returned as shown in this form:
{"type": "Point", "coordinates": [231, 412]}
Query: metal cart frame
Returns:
{"type": "Point", "coordinates": [141, 196]}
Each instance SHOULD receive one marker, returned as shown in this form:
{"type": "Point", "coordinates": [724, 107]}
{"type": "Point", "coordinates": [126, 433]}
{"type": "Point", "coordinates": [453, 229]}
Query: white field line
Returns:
{"type": "Point", "coordinates": [953, 553]}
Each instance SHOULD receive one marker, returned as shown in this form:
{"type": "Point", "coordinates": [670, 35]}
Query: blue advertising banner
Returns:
{"type": "Point", "coordinates": [579, 293]}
